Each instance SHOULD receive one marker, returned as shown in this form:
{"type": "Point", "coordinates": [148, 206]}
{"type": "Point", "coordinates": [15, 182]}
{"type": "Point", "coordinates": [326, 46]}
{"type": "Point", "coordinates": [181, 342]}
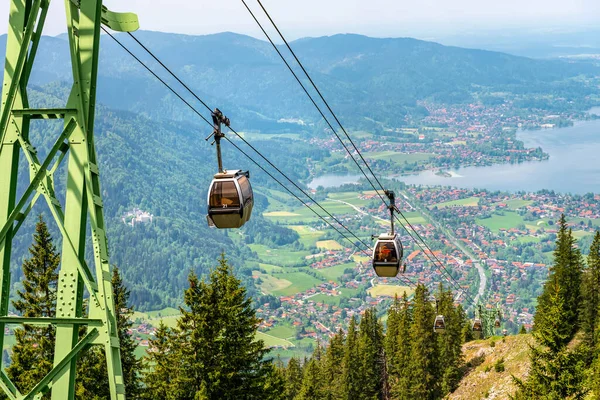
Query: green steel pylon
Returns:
{"type": "Point", "coordinates": [83, 202]}
{"type": "Point", "coordinates": [488, 320]}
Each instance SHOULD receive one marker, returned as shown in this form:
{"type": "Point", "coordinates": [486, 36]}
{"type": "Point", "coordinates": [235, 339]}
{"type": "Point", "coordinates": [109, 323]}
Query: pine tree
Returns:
{"type": "Point", "coordinates": [216, 344]}
{"type": "Point", "coordinates": [130, 363]}
{"type": "Point", "coordinates": [556, 371]}
{"type": "Point", "coordinates": [450, 342]}
{"type": "Point", "coordinates": [160, 365]}
{"type": "Point", "coordinates": [595, 375]}
{"type": "Point", "coordinates": [566, 275]}
{"type": "Point", "coordinates": [590, 293]}
{"type": "Point", "coordinates": [313, 386]}
{"type": "Point", "coordinates": [467, 331]}
{"type": "Point", "coordinates": [391, 334]}
{"type": "Point", "coordinates": [370, 344]}
{"type": "Point", "coordinates": [33, 353]}
{"type": "Point", "coordinates": [352, 363]}
{"type": "Point", "coordinates": [522, 331]}
{"type": "Point", "coordinates": [332, 367]}
{"type": "Point", "coordinates": [293, 379]}
{"type": "Point", "coordinates": [274, 388]}
{"type": "Point", "coordinates": [399, 373]}
{"type": "Point", "coordinates": [423, 364]}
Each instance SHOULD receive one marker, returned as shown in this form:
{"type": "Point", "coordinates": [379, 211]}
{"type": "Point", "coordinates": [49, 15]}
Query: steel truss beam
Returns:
{"type": "Point", "coordinates": [83, 202]}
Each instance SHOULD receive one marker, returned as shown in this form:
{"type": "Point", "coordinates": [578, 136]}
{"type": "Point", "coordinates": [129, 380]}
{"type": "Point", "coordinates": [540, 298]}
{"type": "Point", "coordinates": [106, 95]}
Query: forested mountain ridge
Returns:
{"type": "Point", "coordinates": [362, 77]}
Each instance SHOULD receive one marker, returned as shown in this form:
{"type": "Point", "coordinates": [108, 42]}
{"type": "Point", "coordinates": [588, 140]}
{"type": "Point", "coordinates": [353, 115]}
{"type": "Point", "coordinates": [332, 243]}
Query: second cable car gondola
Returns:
{"type": "Point", "coordinates": [388, 251]}
{"type": "Point", "coordinates": [439, 326]}
{"type": "Point", "coordinates": [477, 325]}
{"type": "Point", "coordinates": [230, 197]}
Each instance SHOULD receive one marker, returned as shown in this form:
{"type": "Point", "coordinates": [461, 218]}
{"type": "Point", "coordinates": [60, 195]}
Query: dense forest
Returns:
{"type": "Point", "coordinates": [212, 352]}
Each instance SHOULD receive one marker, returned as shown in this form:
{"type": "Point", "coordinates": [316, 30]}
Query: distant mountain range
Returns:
{"type": "Point", "coordinates": [361, 76]}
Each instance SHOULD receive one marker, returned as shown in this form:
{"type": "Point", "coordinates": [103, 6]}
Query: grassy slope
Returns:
{"type": "Point", "coordinates": [479, 384]}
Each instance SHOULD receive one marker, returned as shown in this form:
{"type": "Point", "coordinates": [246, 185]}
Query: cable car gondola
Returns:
{"type": "Point", "coordinates": [477, 326]}
{"type": "Point", "coordinates": [388, 251]}
{"type": "Point", "coordinates": [230, 197]}
{"type": "Point", "coordinates": [439, 326]}
{"type": "Point", "coordinates": [387, 255]}
{"type": "Point", "coordinates": [497, 323]}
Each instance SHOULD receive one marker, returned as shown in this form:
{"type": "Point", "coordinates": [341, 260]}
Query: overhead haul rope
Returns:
{"type": "Point", "coordinates": [440, 266]}
{"type": "Point", "coordinates": [246, 142]}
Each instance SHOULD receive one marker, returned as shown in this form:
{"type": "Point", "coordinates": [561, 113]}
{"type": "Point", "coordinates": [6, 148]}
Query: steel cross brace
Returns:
{"type": "Point", "coordinates": [18, 68]}
{"type": "Point", "coordinates": [13, 393]}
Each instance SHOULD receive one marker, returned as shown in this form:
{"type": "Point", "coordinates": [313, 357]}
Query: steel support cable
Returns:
{"type": "Point", "coordinates": [293, 194]}
{"type": "Point", "coordinates": [246, 142]}
{"type": "Point", "coordinates": [325, 118]}
{"type": "Point", "coordinates": [317, 90]}
{"type": "Point", "coordinates": [451, 280]}
{"type": "Point", "coordinates": [302, 201]}
{"type": "Point", "coordinates": [252, 147]}
{"type": "Point", "coordinates": [310, 97]}
{"type": "Point", "coordinates": [240, 136]}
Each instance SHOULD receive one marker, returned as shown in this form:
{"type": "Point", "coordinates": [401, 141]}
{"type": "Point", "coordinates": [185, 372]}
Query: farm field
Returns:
{"type": "Point", "coordinates": [273, 341]}
{"type": "Point", "coordinates": [269, 283]}
{"type": "Point", "coordinates": [300, 282]}
{"type": "Point", "coordinates": [513, 204]}
{"type": "Point", "coordinates": [329, 245]}
{"type": "Point", "coordinates": [398, 158]}
{"type": "Point", "coordinates": [350, 197]}
{"type": "Point", "coordinates": [335, 272]}
{"type": "Point", "coordinates": [280, 256]}
{"type": "Point", "coordinates": [269, 268]}
{"type": "Point", "coordinates": [389, 290]}
{"type": "Point", "coordinates": [308, 235]}
{"type": "Point", "coordinates": [468, 202]}
{"type": "Point", "coordinates": [285, 331]}
{"type": "Point", "coordinates": [496, 222]}
{"type": "Point", "coordinates": [323, 298]}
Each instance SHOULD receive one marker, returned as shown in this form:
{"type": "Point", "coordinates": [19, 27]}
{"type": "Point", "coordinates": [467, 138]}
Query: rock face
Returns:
{"type": "Point", "coordinates": [481, 380]}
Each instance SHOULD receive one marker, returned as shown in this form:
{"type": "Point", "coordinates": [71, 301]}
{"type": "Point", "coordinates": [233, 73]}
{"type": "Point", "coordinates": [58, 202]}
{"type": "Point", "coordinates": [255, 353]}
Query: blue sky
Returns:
{"type": "Point", "coordinates": [419, 18]}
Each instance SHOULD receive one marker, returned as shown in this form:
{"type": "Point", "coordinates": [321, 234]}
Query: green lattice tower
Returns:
{"type": "Point", "coordinates": [488, 319]}
{"type": "Point", "coordinates": [83, 199]}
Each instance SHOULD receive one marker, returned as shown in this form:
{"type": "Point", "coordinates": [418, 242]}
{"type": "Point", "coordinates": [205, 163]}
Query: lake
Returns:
{"type": "Point", "coordinates": [573, 167]}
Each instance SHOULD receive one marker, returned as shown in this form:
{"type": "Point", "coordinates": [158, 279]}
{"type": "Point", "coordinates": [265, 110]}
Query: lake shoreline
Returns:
{"type": "Point", "coordinates": [572, 166]}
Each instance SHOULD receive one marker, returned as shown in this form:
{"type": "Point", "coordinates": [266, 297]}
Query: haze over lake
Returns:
{"type": "Point", "coordinates": [573, 167]}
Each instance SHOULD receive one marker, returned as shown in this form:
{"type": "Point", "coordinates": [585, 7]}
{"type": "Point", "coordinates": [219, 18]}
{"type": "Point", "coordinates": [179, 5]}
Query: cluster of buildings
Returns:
{"type": "Point", "coordinates": [137, 216]}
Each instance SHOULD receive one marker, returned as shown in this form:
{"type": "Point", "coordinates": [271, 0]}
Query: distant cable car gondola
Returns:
{"type": "Point", "coordinates": [230, 197]}
{"type": "Point", "coordinates": [497, 323]}
{"type": "Point", "coordinates": [439, 325]}
{"type": "Point", "coordinates": [388, 251]}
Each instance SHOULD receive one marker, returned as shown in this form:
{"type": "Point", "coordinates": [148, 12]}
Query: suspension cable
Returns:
{"type": "Point", "coordinates": [247, 143]}
{"type": "Point", "coordinates": [443, 268]}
